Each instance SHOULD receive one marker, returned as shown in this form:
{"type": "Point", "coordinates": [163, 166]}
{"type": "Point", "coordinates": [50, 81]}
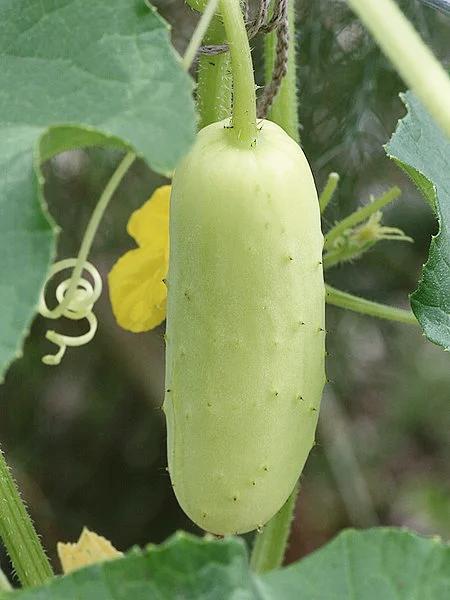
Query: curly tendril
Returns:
{"type": "Point", "coordinates": [79, 306]}
{"type": "Point", "coordinates": [76, 295]}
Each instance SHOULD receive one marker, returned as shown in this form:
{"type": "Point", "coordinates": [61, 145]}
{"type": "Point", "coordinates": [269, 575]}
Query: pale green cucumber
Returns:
{"type": "Point", "coordinates": [245, 327]}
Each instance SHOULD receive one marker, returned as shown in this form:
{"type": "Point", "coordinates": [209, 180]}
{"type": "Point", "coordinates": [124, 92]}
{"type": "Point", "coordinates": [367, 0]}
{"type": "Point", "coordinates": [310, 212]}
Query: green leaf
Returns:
{"type": "Point", "coordinates": [387, 564]}
{"type": "Point", "coordinates": [75, 73]}
{"type": "Point", "coordinates": [183, 567]}
{"type": "Point", "coordinates": [423, 151]}
{"type": "Point", "coordinates": [377, 564]}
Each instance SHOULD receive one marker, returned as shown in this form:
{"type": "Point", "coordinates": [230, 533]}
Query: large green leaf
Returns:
{"type": "Point", "coordinates": [378, 564]}
{"type": "Point", "coordinates": [423, 151]}
{"type": "Point", "coordinates": [75, 73]}
{"type": "Point", "coordinates": [184, 567]}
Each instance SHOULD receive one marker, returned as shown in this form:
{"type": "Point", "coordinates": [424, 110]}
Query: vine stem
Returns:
{"type": "Point", "coordinates": [214, 80]}
{"type": "Point", "coordinates": [270, 545]}
{"type": "Point", "coordinates": [368, 307]}
{"type": "Point", "coordinates": [199, 33]}
{"type": "Point", "coordinates": [19, 535]}
{"type": "Point", "coordinates": [284, 109]}
{"type": "Point", "coordinates": [412, 58]}
{"type": "Point", "coordinates": [91, 230]}
{"type": "Point", "coordinates": [328, 191]}
{"type": "Point", "coordinates": [244, 96]}
{"type": "Point", "coordinates": [360, 215]}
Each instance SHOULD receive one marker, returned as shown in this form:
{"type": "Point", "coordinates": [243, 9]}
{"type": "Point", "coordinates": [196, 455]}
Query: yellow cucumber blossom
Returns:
{"type": "Point", "coordinates": [136, 282]}
{"type": "Point", "coordinates": [91, 548]}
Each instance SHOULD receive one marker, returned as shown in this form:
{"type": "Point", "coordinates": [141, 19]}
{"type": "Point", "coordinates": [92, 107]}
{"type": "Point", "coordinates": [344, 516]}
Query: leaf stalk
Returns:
{"type": "Point", "coordinates": [19, 535]}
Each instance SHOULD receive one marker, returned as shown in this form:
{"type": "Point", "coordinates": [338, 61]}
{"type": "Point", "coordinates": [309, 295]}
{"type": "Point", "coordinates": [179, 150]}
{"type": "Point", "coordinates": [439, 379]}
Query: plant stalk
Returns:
{"type": "Point", "coordinates": [199, 34]}
{"type": "Point", "coordinates": [336, 257]}
{"type": "Point", "coordinates": [270, 545]}
{"type": "Point", "coordinates": [214, 80]}
{"type": "Point", "coordinates": [244, 97]}
{"type": "Point", "coordinates": [19, 535]}
{"type": "Point", "coordinates": [368, 307]}
{"type": "Point", "coordinates": [328, 191]}
{"type": "Point", "coordinates": [284, 109]}
{"type": "Point", "coordinates": [412, 58]}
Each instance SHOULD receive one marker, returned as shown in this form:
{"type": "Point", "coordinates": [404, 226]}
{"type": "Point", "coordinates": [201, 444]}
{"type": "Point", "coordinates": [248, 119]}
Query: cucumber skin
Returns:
{"type": "Point", "coordinates": [245, 327]}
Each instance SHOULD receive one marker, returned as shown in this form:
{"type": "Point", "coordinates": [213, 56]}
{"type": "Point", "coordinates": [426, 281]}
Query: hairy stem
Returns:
{"type": "Point", "coordinates": [199, 33]}
{"type": "Point", "coordinates": [328, 191]}
{"type": "Point", "coordinates": [214, 80]}
{"type": "Point", "coordinates": [360, 215]}
{"type": "Point", "coordinates": [244, 98]}
{"type": "Point", "coordinates": [270, 544]}
{"type": "Point", "coordinates": [412, 58]}
{"type": "Point", "coordinates": [284, 109]}
{"type": "Point", "coordinates": [19, 535]}
{"type": "Point", "coordinates": [335, 257]}
{"type": "Point", "coordinates": [367, 307]}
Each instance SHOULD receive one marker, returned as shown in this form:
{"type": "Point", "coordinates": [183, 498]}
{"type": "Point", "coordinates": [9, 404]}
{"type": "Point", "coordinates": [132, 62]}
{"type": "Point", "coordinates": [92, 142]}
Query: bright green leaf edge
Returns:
{"type": "Point", "coordinates": [422, 150]}
{"type": "Point", "coordinates": [75, 73]}
{"type": "Point", "coordinates": [381, 563]}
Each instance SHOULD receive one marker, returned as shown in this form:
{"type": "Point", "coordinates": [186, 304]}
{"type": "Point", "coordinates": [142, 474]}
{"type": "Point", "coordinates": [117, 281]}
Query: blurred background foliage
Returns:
{"type": "Point", "coordinates": [87, 439]}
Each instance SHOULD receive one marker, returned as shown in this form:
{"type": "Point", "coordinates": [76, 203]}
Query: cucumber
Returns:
{"type": "Point", "coordinates": [245, 327]}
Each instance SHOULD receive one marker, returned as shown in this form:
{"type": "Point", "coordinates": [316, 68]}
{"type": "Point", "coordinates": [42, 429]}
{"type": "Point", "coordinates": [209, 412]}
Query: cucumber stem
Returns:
{"type": "Point", "coordinates": [412, 58]}
{"type": "Point", "coordinates": [19, 535]}
{"type": "Point", "coordinates": [368, 307]}
{"type": "Point", "coordinates": [244, 97]}
{"type": "Point", "coordinates": [270, 545]}
{"type": "Point", "coordinates": [284, 109]}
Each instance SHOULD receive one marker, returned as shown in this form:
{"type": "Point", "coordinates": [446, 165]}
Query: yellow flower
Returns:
{"type": "Point", "coordinates": [136, 282]}
{"type": "Point", "coordinates": [91, 548]}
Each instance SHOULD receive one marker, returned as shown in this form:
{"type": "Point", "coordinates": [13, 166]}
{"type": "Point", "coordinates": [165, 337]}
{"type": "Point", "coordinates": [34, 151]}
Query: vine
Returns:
{"type": "Point", "coordinates": [19, 535]}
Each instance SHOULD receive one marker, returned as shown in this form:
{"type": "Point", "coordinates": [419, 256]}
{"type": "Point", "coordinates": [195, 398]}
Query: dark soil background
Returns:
{"type": "Point", "coordinates": [87, 439]}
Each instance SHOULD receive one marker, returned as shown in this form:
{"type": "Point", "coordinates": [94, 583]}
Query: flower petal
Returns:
{"type": "Point", "coordinates": [137, 290]}
{"type": "Point", "coordinates": [149, 225]}
{"type": "Point", "coordinates": [91, 548]}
